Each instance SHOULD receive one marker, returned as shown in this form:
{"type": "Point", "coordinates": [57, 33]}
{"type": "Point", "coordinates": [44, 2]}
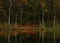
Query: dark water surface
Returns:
{"type": "Point", "coordinates": [29, 39]}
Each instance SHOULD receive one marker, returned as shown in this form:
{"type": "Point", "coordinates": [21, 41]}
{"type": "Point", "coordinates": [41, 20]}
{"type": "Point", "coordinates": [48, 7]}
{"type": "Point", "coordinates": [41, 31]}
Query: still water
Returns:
{"type": "Point", "coordinates": [24, 38]}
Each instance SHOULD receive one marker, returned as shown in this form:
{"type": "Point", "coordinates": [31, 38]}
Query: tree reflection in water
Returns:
{"type": "Point", "coordinates": [25, 38]}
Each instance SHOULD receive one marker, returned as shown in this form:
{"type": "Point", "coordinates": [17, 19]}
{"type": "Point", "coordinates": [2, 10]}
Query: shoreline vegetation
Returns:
{"type": "Point", "coordinates": [16, 29]}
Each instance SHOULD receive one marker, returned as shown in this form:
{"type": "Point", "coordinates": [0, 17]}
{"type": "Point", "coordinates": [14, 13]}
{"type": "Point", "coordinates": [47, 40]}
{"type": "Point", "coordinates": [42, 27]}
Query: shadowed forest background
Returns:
{"type": "Point", "coordinates": [29, 20]}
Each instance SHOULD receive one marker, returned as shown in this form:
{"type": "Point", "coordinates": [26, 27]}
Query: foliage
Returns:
{"type": "Point", "coordinates": [30, 11]}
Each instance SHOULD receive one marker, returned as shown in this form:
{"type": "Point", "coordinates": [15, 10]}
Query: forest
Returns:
{"type": "Point", "coordinates": [30, 20]}
{"type": "Point", "coordinates": [29, 11]}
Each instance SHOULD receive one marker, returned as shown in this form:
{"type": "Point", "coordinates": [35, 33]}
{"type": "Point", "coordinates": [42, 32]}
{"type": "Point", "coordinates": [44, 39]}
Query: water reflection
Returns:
{"type": "Point", "coordinates": [26, 38]}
